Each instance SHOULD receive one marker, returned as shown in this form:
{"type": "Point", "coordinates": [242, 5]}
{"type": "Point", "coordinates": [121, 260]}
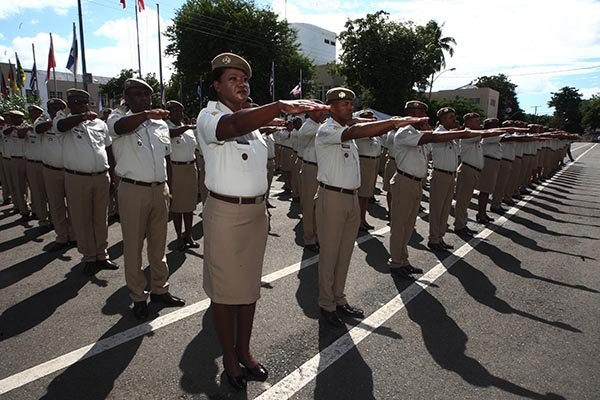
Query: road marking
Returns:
{"type": "Point", "coordinates": [291, 384]}
{"type": "Point", "coordinates": [41, 370]}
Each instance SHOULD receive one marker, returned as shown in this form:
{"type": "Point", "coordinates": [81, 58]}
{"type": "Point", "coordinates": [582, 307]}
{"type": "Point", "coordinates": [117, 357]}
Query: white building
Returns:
{"type": "Point", "coordinates": [316, 43]}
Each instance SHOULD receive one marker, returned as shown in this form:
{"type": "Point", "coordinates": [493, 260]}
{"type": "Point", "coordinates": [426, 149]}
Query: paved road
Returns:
{"type": "Point", "coordinates": [512, 314]}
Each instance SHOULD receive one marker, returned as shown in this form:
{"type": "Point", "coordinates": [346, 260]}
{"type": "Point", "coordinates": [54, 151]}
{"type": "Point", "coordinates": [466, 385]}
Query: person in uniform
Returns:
{"type": "Point", "coordinates": [296, 160]}
{"type": "Point", "coordinates": [287, 153]}
{"type": "Point", "coordinates": [141, 147]}
{"type": "Point", "coordinates": [369, 153]}
{"type": "Point", "coordinates": [54, 175]}
{"type": "Point", "coordinates": [184, 178]}
{"type": "Point", "coordinates": [5, 163]}
{"type": "Point", "coordinates": [307, 135]}
{"type": "Point", "coordinates": [33, 154]}
{"type": "Point", "coordinates": [18, 132]}
{"type": "Point", "coordinates": [235, 217]}
{"type": "Point", "coordinates": [337, 209]}
{"type": "Point", "coordinates": [86, 144]}
{"type": "Point", "coordinates": [387, 142]}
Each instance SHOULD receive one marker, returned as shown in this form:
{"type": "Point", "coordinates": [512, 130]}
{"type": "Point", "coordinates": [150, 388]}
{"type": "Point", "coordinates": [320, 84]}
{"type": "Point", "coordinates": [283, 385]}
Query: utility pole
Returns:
{"type": "Point", "coordinates": [535, 109]}
{"type": "Point", "coordinates": [83, 68]}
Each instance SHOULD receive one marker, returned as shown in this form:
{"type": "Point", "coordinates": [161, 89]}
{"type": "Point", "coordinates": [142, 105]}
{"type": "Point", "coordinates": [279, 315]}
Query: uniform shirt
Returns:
{"type": "Point", "coordinates": [182, 146]}
{"type": "Point", "coordinates": [410, 157]}
{"type": "Point", "coordinates": [84, 146]}
{"type": "Point", "coordinates": [234, 167]}
{"type": "Point", "coordinates": [33, 149]}
{"type": "Point", "coordinates": [140, 154]}
{"type": "Point", "coordinates": [370, 147]}
{"type": "Point", "coordinates": [6, 143]}
{"type": "Point", "coordinates": [338, 163]}
{"type": "Point", "coordinates": [307, 135]}
{"type": "Point", "coordinates": [508, 150]}
{"type": "Point", "coordinates": [471, 152]}
{"type": "Point", "coordinates": [444, 155]}
{"type": "Point", "coordinates": [492, 147]}
{"type": "Point", "coordinates": [529, 148]}
{"type": "Point", "coordinates": [52, 144]}
{"type": "Point", "coordinates": [284, 138]}
{"type": "Point", "coordinates": [294, 140]}
{"type": "Point", "coordinates": [518, 148]}
{"type": "Point", "coordinates": [17, 144]}
{"type": "Point", "coordinates": [387, 140]}
{"type": "Point", "coordinates": [270, 145]}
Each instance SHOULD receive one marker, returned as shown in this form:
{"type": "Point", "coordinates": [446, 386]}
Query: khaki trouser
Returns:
{"type": "Point", "coordinates": [526, 170]}
{"type": "Point", "coordinates": [144, 214]}
{"type": "Point", "coordinates": [440, 201]}
{"type": "Point", "coordinates": [201, 175]}
{"type": "Point", "coordinates": [501, 182]}
{"type": "Point", "coordinates": [307, 198]}
{"type": "Point", "coordinates": [19, 183]}
{"type": "Point", "coordinates": [465, 184]}
{"type": "Point", "coordinates": [87, 199]}
{"type": "Point", "coordinates": [296, 167]}
{"type": "Point", "coordinates": [514, 180]}
{"type": "Point", "coordinates": [5, 175]}
{"type": "Point", "coordinates": [39, 199]}
{"type": "Point", "coordinates": [54, 182]}
{"type": "Point", "coordinates": [338, 216]}
{"type": "Point", "coordinates": [271, 165]}
{"type": "Point", "coordinates": [406, 198]}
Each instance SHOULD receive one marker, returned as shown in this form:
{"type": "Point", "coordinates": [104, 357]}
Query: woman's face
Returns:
{"type": "Point", "coordinates": [176, 115]}
{"type": "Point", "coordinates": [233, 86]}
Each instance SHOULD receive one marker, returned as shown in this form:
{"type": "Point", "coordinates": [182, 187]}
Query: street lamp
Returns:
{"type": "Point", "coordinates": [434, 79]}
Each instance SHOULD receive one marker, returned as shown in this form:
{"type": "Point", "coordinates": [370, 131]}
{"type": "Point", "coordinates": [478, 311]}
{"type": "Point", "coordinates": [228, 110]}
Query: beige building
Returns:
{"type": "Point", "coordinates": [324, 81]}
{"type": "Point", "coordinates": [485, 98]}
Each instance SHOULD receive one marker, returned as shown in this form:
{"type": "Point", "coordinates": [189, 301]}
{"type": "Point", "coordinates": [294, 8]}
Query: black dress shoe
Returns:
{"type": "Point", "coordinates": [413, 270]}
{"type": "Point", "coordinates": [258, 371]}
{"type": "Point", "coordinates": [401, 273]}
{"type": "Point", "coordinates": [332, 318]}
{"type": "Point", "coordinates": [269, 205]}
{"type": "Point", "coordinates": [436, 246]}
{"type": "Point", "coordinates": [58, 246]}
{"type": "Point", "coordinates": [497, 210]}
{"type": "Point", "coordinates": [446, 245]}
{"type": "Point", "coordinates": [168, 299]}
{"type": "Point", "coordinates": [483, 219]}
{"type": "Point", "coordinates": [508, 202]}
{"type": "Point", "coordinates": [180, 245]}
{"type": "Point", "coordinates": [90, 268]}
{"type": "Point", "coordinates": [464, 232]}
{"type": "Point", "coordinates": [368, 226]}
{"type": "Point", "coordinates": [191, 244]}
{"type": "Point", "coordinates": [107, 264]}
{"type": "Point", "coordinates": [237, 382]}
{"type": "Point", "coordinates": [312, 247]}
{"type": "Point", "coordinates": [140, 310]}
{"type": "Point", "coordinates": [350, 311]}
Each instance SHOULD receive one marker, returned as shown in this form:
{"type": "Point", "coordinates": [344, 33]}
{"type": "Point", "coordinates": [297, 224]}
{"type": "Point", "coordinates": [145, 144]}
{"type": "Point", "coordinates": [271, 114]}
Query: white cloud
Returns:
{"type": "Point", "coordinates": [34, 21]}
{"type": "Point", "coordinates": [60, 7]}
{"type": "Point", "coordinates": [589, 92]}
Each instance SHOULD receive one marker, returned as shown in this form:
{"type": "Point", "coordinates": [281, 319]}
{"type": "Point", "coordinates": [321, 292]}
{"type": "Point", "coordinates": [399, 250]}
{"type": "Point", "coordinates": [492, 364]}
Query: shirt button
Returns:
{"type": "Point", "coordinates": [244, 156]}
{"type": "Point", "coordinates": [346, 155]}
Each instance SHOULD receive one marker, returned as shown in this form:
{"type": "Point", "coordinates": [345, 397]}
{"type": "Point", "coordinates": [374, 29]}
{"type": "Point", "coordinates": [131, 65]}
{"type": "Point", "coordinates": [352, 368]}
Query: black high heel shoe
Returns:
{"type": "Point", "coordinates": [259, 372]}
{"type": "Point", "coordinates": [237, 382]}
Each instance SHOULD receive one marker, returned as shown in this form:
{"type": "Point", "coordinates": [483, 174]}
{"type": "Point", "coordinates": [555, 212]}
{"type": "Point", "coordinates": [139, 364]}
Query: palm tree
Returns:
{"type": "Point", "coordinates": [437, 45]}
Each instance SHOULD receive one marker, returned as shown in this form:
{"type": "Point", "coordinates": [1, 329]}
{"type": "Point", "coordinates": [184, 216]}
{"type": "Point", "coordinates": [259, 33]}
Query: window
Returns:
{"type": "Point", "coordinates": [55, 95]}
{"type": "Point", "coordinates": [326, 41]}
{"type": "Point", "coordinates": [493, 102]}
{"type": "Point", "coordinates": [332, 42]}
{"type": "Point", "coordinates": [475, 100]}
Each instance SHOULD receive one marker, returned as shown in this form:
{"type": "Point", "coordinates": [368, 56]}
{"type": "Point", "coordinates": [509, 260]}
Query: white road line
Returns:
{"type": "Point", "coordinates": [291, 384]}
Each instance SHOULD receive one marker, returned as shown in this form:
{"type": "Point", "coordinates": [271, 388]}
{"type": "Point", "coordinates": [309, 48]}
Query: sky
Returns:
{"type": "Point", "coordinates": [541, 45]}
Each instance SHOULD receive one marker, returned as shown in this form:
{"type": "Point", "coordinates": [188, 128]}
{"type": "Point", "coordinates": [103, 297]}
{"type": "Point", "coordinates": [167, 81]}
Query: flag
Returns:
{"type": "Point", "coordinates": [141, 5]}
{"type": "Point", "coordinates": [199, 90]}
{"type": "Point", "coordinates": [272, 79]}
{"type": "Point", "coordinates": [100, 103]}
{"type": "Point", "coordinates": [51, 59]}
{"type": "Point", "coordinates": [72, 63]}
{"type": "Point", "coordinates": [20, 81]}
{"type": "Point", "coordinates": [3, 86]}
{"type": "Point", "coordinates": [123, 3]}
{"type": "Point", "coordinates": [11, 78]}
{"type": "Point", "coordinates": [33, 82]}
{"type": "Point", "coordinates": [297, 90]}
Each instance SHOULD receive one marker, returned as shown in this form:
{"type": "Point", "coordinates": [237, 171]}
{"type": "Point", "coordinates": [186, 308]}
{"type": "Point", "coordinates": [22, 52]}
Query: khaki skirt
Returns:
{"type": "Point", "coordinates": [368, 176]}
{"type": "Point", "coordinates": [235, 238]}
{"type": "Point", "coordinates": [489, 175]}
{"type": "Point", "coordinates": [184, 190]}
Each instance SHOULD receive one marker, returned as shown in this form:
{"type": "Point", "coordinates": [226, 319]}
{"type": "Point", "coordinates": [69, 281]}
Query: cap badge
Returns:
{"type": "Point", "coordinates": [226, 60]}
{"type": "Point", "coordinates": [341, 95]}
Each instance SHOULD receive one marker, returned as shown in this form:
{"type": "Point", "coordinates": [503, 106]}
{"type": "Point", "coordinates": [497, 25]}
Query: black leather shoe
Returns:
{"type": "Point", "coordinates": [140, 310]}
{"type": "Point", "coordinates": [413, 270]}
{"type": "Point", "coordinates": [464, 232]}
{"type": "Point", "coordinates": [107, 264]}
{"type": "Point", "coordinates": [332, 318]}
{"type": "Point", "coordinates": [168, 299]}
{"type": "Point", "coordinates": [269, 205]}
{"type": "Point", "coordinates": [258, 371]}
{"type": "Point", "coordinates": [57, 246]}
{"type": "Point", "coordinates": [509, 202]}
{"type": "Point", "coordinates": [497, 210]}
{"type": "Point", "coordinates": [180, 245]}
{"type": "Point", "coordinates": [312, 247]}
{"type": "Point", "coordinates": [446, 245]}
{"type": "Point", "coordinates": [482, 219]}
{"type": "Point", "coordinates": [436, 246]}
{"type": "Point", "coordinates": [401, 273]}
{"type": "Point", "coordinates": [368, 226]}
{"type": "Point", "coordinates": [350, 311]}
{"type": "Point", "coordinates": [237, 382]}
{"type": "Point", "coordinates": [90, 268]}
{"type": "Point", "coordinates": [191, 244]}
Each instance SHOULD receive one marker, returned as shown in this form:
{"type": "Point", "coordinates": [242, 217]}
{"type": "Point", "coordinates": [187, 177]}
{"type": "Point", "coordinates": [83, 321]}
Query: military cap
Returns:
{"type": "Point", "coordinates": [35, 107]}
{"type": "Point", "coordinates": [445, 110]}
{"type": "Point", "coordinates": [316, 101]}
{"type": "Point", "coordinates": [56, 102]}
{"type": "Point", "coordinates": [415, 105]}
{"type": "Point", "coordinates": [469, 116]}
{"type": "Point", "coordinates": [173, 104]}
{"type": "Point", "coordinates": [339, 93]}
{"type": "Point", "coordinates": [16, 113]}
{"type": "Point", "coordinates": [230, 60]}
{"type": "Point", "coordinates": [136, 83]}
{"type": "Point", "coordinates": [1, 118]}
{"type": "Point", "coordinates": [77, 93]}
{"type": "Point", "coordinates": [508, 122]}
{"type": "Point", "coordinates": [366, 114]}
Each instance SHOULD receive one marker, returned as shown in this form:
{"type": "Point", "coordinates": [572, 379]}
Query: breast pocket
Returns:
{"type": "Point", "coordinates": [165, 144]}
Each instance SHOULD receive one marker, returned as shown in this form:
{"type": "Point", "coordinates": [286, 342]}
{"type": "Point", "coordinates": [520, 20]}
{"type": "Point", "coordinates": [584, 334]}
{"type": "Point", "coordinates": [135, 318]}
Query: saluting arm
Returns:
{"type": "Point", "coordinates": [377, 128]}
{"type": "Point", "coordinates": [72, 121]}
{"type": "Point", "coordinates": [129, 123]}
{"type": "Point", "coordinates": [43, 127]}
{"type": "Point", "coordinates": [174, 132]}
{"type": "Point", "coordinates": [22, 131]}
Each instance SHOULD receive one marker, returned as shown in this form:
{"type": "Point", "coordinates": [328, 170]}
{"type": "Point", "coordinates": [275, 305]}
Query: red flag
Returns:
{"type": "Point", "coordinates": [51, 59]}
{"type": "Point", "coordinates": [141, 5]}
{"type": "Point", "coordinates": [123, 3]}
{"type": "Point", "coordinates": [3, 86]}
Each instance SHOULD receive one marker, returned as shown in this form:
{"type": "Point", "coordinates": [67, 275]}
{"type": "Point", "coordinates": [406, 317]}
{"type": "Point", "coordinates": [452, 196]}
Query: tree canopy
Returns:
{"type": "Point", "coordinates": [461, 105]}
{"type": "Point", "coordinates": [113, 89]}
{"type": "Point", "coordinates": [591, 112]}
{"type": "Point", "coordinates": [566, 103]}
{"type": "Point", "coordinates": [382, 59]}
{"type": "Point", "coordinates": [203, 29]}
{"type": "Point", "coordinates": [508, 104]}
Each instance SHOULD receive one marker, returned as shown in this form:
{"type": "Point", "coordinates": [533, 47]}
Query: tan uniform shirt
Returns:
{"type": "Point", "coordinates": [52, 145]}
{"type": "Point", "coordinates": [140, 154]}
{"type": "Point", "coordinates": [508, 150]}
{"type": "Point", "coordinates": [410, 157]}
{"type": "Point", "coordinates": [18, 145]}
{"type": "Point", "coordinates": [183, 146]}
{"type": "Point", "coordinates": [307, 134]}
{"type": "Point", "coordinates": [6, 143]}
{"type": "Point", "coordinates": [471, 152]}
{"type": "Point", "coordinates": [370, 147]}
{"type": "Point", "coordinates": [492, 147]}
{"type": "Point", "coordinates": [270, 145]}
{"type": "Point", "coordinates": [444, 155]}
{"type": "Point", "coordinates": [338, 163]}
{"type": "Point", "coordinates": [33, 150]}
{"type": "Point", "coordinates": [234, 167]}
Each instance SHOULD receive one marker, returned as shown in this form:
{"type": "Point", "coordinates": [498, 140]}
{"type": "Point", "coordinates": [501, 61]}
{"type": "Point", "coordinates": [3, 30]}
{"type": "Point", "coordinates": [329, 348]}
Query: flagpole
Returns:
{"type": "Point", "coordinates": [301, 94]}
{"type": "Point", "coordinates": [36, 87]}
{"type": "Point", "coordinates": [160, 72]}
{"type": "Point", "coordinates": [273, 77]}
{"type": "Point", "coordinates": [83, 66]}
{"type": "Point", "coordinates": [17, 74]}
{"type": "Point", "coordinates": [75, 66]}
{"type": "Point", "coordinates": [137, 30]}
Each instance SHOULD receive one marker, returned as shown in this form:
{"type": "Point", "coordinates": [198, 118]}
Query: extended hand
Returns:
{"type": "Point", "coordinates": [300, 106]}
{"type": "Point", "coordinates": [157, 113]}
{"type": "Point", "coordinates": [89, 116]}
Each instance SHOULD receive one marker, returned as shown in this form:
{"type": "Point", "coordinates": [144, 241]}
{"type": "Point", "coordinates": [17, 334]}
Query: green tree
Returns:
{"type": "Point", "coordinates": [436, 47]}
{"type": "Point", "coordinates": [461, 105]}
{"type": "Point", "coordinates": [383, 59]}
{"type": "Point", "coordinates": [566, 104]}
{"type": "Point", "coordinates": [591, 112]}
{"type": "Point", "coordinates": [204, 28]}
{"type": "Point", "coordinates": [508, 104]}
{"type": "Point", "coordinates": [545, 120]}
{"type": "Point", "coordinates": [113, 89]}
{"type": "Point", "coordinates": [13, 102]}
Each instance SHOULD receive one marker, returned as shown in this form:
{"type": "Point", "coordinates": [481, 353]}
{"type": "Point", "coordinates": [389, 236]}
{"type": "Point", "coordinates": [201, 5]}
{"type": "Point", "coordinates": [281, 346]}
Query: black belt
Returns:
{"type": "Point", "coordinates": [506, 159]}
{"type": "Point", "coordinates": [237, 200]}
{"type": "Point", "coordinates": [51, 167]}
{"type": "Point", "coordinates": [519, 157]}
{"type": "Point", "coordinates": [6, 158]}
{"type": "Point", "coordinates": [310, 162]}
{"type": "Point", "coordinates": [183, 162]}
{"type": "Point", "coordinates": [140, 183]}
{"type": "Point", "coordinates": [337, 189]}
{"type": "Point", "coordinates": [17, 157]}
{"type": "Point", "coordinates": [34, 161]}
{"type": "Point", "coordinates": [414, 178]}
{"type": "Point", "coordinates": [70, 171]}
{"type": "Point", "coordinates": [475, 168]}
{"type": "Point", "coordinates": [373, 158]}
{"type": "Point", "coordinates": [444, 171]}
{"type": "Point", "coordinates": [492, 158]}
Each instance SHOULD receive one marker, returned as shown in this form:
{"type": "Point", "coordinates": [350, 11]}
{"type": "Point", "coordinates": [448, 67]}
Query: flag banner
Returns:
{"type": "Point", "coordinates": [123, 3]}
{"type": "Point", "coordinates": [51, 60]}
{"type": "Point", "coordinates": [11, 78]}
{"type": "Point", "coordinates": [3, 86]}
{"type": "Point", "coordinates": [297, 90]}
{"type": "Point", "coordinates": [141, 5]}
{"type": "Point", "coordinates": [72, 62]}
{"type": "Point", "coordinates": [20, 81]}
{"type": "Point", "coordinates": [33, 82]}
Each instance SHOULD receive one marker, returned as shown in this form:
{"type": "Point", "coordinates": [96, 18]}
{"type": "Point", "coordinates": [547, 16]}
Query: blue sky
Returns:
{"type": "Point", "coordinates": [541, 45]}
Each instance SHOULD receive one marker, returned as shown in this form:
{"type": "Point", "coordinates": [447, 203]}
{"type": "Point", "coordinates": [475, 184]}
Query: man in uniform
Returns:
{"type": "Point", "coordinates": [142, 147]}
{"type": "Point", "coordinates": [369, 153]}
{"type": "Point", "coordinates": [337, 210]}
{"type": "Point", "coordinates": [18, 132]}
{"type": "Point", "coordinates": [86, 144]}
{"type": "Point", "coordinates": [33, 154]}
{"type": "Point", "coordinates": [4, 164]}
